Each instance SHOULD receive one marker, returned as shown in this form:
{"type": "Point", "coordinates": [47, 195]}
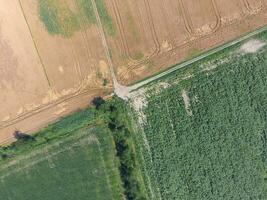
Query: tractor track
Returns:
{"type": "Point", "coordinates": [192, 35]}
{"type": "Point", "coordinates": [189, 24]}
{"type": "Point", "coordinates": [155, 40]}
{"type": "Point", "coordinates": [120, 28]}
{"type": "Point", "coordinates": [124, 42]}
{"type": "Point", "coordinates": [180, 22]}
{"type": "Point", "coordinates": [187, 19]}
{"type": "Point", "coordinates": [250, 9]}
{"type": "Point", "coordinates": [45, 107]}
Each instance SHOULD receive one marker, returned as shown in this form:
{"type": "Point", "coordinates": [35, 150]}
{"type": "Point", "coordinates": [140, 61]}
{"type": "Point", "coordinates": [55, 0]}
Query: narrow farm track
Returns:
{"type": "Point", "coordinates": [120, 90]}
{"type": "Point", "coordinates": [104, 43]}
{"type": "Point", "coordinates": [85, 36]}
{"type": "Point", "coordinates": [185, 64]}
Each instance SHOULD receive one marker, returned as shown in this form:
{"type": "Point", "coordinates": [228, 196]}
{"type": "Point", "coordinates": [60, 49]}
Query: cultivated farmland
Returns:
{"type": "Point", "coordinates": [54, 54]}
{"type": "Point", "coordinates": [51, 54]}
{"type": "Point", "coordinates": [155, 34]}
{"type": "Point", "coordinates": [201, 131]}
{"type": "Point", "coordinates": [72, 159]}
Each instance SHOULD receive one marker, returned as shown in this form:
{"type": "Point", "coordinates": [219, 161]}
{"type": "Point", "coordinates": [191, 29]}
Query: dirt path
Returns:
{"type": "Point", "coordinates": [189, 62]}
{"type": "Point", "coordinates": [120, 90]}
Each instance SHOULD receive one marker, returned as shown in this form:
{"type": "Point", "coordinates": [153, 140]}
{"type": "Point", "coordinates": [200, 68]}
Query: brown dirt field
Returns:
{"type": "Point", "coordinates": [200, 16]}
{"type": "Point", "coordinates": [74, 61]}
{"type": "Point", "coordinates": [44, 76]}
{"type": "Point", "coordinates": [135, 31]}
{"type": "Point", "coordinates": [182, 29]}
{"type": "Point", "coordinates": [230, 12]}
{"type": "Point", "coordinates": [38, 70]}
{"type": "Point", "coordinates": [169, 24]}
{"type": "Point", "coordinates": [22, 81]}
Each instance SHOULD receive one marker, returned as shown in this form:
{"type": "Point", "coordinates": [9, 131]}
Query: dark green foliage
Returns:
{"type": "Point", "coordinates": [105, 18]}
{"type": "Point", "coordinates": [220, 151]}
{"type": "Point", "coordinates": [129, 169]}
{"type": "Point", "coordinates": [97, 102]}
{"type": "Point", "coordinates": [60, 19]}
{"type": "Point", "coordinates": [72, 159]}
{"type": "Point", "coordinates": [23, 136]}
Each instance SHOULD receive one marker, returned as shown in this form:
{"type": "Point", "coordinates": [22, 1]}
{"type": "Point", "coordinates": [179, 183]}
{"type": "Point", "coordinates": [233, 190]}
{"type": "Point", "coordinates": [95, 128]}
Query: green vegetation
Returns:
{"type": "Point", "coordinates": [60, 19]}
{"type": "Point", "coordinates": [87, 8]}
{"type": "Point", "coordinates": [204, 136]}
{"type": "Point", "coordinates": [129, 168]}
{"type": "Point", "coordinates": [72, 159]}
{"type": "Point", "coordinates": [106, 18]}
{"type": "Point", "coordinates": [88, 155]}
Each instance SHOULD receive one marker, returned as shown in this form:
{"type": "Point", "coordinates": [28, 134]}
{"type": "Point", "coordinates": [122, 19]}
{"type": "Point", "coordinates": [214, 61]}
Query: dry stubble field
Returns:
{"type": "Point", "coordinates": [53, 64]}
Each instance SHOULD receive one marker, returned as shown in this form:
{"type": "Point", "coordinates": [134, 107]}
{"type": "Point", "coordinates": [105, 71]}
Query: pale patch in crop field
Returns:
{"type": "Point", "coordinates": [187, 102]}
{"type": "Point", "coordinates": [252, 46]}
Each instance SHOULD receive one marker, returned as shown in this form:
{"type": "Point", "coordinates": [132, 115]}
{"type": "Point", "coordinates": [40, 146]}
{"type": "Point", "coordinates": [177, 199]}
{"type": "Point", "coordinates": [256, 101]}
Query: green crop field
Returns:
{"type": "Point", "coordinates": [62, 19]}
{"type": "Point", "coordinates": [72, 159]}
{"type": "Point", "coordinates": [201, 132]}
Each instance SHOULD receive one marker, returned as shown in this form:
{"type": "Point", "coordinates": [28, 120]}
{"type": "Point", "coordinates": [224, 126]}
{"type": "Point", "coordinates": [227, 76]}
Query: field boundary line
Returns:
{"type": "Point", "coordinates": [47, 157]}
{"type": "Point", "coordinates": [35, 45]}
{"type": "Point", "coordinates": [42, 150]}
{"type": "Point", "coordinates": [104, 43]}
{"type": "Point", "coordinates": [45, 107]}
{"type": "Point", "coordinates": [198, 58]}
{"type": "Point", "coordinates": [153, 192]}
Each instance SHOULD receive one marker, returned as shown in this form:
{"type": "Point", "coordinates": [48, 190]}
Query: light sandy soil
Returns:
{"type": "Point", "coordinates": [44, 76]}
{"type": "Point", "coordinates": [252, 46]}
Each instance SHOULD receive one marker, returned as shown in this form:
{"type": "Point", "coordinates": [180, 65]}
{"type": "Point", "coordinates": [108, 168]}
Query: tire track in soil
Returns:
{"type": "Point", "coordinates": [187, 20]}
{"type": "Point", "coordinates": [121, 27]}
{"type": "Point", "coordinates": [79, 92]}
{"type": "Point", "coordinates": [35, 45]}
{"type": "Point", "coordinates": [189, 24]}
{"type": "Point", "coordinates": [192, 35]}
{"type": "Point", "coordinates": [250, 10]}
{"type": "Point", "coordinates": [138, 63]}
{"type": "Point", "coordinates": [166, 16]}
{"type": "Point", "coordinates": [102, 35]}
{"type": "Point", "coordinates": [84, 34]}
{"type": "Point", "coordinates": [45, 107]}
{"type": "Point", "coordinates": [218, 17]}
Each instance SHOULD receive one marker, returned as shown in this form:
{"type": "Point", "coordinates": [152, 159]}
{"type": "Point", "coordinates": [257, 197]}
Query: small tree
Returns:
{"type": "Point", "coordinates": [97, 102]}
{"type": "Point", "coordinates": [23, 136]}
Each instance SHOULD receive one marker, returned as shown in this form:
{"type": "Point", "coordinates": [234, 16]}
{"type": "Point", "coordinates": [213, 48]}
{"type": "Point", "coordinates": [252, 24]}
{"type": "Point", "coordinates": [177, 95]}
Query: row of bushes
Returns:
{"type": "Point", "coordinates": [125, 149]}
